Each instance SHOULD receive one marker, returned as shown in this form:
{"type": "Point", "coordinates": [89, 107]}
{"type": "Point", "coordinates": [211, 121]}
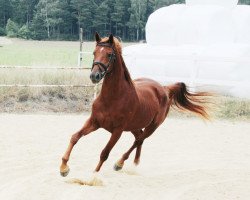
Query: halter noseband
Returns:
{"type": "Point", "coordinates": [112, 58]}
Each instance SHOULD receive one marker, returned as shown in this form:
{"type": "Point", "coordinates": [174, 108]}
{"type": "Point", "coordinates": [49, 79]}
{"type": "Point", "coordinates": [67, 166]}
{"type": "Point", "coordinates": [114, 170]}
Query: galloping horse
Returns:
{"type": "Point", "coordinates": [139, 106]}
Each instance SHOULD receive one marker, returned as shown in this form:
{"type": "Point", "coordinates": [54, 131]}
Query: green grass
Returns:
{"type": "Point", "coordinates": [18, 52]}
{"type": "Point", "coordinates": [43, 53]}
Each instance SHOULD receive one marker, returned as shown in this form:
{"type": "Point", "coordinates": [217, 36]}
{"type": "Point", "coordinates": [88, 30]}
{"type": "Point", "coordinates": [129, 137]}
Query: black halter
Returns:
{"type": "Point", "coordinates": [112, 58]}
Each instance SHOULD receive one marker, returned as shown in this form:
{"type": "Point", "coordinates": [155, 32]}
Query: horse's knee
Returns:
{"type": "Point", "coordinates": [74, 138]}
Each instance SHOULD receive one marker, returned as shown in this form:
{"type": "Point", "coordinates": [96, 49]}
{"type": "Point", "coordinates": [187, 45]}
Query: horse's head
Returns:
{"type": "Point", "coordinates": [105, 54]}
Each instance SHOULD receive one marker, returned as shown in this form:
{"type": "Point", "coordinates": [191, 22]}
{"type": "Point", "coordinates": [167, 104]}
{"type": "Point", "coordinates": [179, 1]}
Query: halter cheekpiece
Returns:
{"type": "Point", "coordinates": [104, 69]}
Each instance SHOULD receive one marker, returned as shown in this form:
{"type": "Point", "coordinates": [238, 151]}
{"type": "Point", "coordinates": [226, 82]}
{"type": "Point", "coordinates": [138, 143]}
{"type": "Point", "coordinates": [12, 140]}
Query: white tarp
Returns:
{"type": "Point", "coordinates": [179, 24]}
{"type": "Point", "coordinates": [202, 45]}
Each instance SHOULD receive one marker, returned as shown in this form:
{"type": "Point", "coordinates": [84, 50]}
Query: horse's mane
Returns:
{"type": "Point", "coordinates": [118, 49]}
{"type": "Point", "coordinates": [126, 72]}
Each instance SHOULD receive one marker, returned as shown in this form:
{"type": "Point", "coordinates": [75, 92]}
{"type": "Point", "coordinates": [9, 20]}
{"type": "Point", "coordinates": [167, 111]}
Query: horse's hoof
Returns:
{"type": "Point", "coordinates": [136, 162]}
{"type": "Point", "coordinates": [65, 172]}
{"type": "Point", "coordinates": [118, 166]}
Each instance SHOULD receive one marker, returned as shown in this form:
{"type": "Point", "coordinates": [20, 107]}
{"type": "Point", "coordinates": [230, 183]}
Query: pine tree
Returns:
{"type": "Point", "coordinates": [83, 11]}
{"type": "Point", "coordinates": [101, 19]}
{"type": "Point", "coordinates": [137, 19]}
{"type": "Point", "coordinates": [6, 11]}
{"type": "Point", "coordinates": [61, 19]}
{"type": "Point", "coordinates": [162, 3]}
{"type": "Point", "coordinates": [24, 11]}
{"type": "Point", "coordinates": [11, 28]}
{"type": "Point", "coordinates": [38, 27]}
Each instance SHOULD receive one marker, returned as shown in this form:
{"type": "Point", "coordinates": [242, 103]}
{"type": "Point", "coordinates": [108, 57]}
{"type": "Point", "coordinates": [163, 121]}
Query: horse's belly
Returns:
{"type": "Point", "coordinates": [137, 125]}
{"type": "Point", "coordinates": [141, 119]}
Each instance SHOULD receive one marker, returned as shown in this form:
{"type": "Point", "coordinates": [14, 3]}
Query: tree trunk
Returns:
{"type": "Point", "coordinates": [47, 22]}
{"type": "Point", "coordinates": [79, 22]}
{"type": "Point", "coordinates": [137, 34]}
{"type": "Point", "coordinates": [116, 28]}
{"type": "Point", "coordinates": [27, 16]}
{"type": "Point", "coordinates": [4, 19]}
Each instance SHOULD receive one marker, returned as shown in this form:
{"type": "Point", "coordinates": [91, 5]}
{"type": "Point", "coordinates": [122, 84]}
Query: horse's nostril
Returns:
{"type": "Point", "coordinates": [97, 76]}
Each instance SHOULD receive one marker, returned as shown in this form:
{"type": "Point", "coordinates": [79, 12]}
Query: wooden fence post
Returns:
{"type": "Point", "coordinates": [80, 53]}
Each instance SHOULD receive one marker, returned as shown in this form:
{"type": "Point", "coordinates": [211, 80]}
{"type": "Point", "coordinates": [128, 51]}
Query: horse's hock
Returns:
{"type": "Point", "coordinates": [203, 43]}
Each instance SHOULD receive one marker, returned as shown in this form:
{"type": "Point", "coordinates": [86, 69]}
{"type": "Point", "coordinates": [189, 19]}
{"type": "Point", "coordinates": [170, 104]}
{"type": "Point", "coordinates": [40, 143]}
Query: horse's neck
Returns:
{"type": "Point", "coordinates": [116, 84]}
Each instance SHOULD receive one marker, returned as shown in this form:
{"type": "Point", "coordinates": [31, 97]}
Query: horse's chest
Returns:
{"type": "Point", "coordinates": [115, 115]}
{"type": "Point", "coordinates": [110, 121]}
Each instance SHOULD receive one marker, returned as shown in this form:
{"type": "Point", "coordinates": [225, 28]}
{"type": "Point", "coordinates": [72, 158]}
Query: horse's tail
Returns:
{"type": "Point", "coordinates": [185, 100]}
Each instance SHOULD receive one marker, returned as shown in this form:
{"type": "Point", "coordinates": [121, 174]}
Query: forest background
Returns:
{"type": "Point", "coordinates": [61, 19]}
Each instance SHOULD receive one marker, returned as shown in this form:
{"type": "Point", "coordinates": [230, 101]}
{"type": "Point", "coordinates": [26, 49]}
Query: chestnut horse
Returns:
{"type": "Point", "coordinates": [139, 106]}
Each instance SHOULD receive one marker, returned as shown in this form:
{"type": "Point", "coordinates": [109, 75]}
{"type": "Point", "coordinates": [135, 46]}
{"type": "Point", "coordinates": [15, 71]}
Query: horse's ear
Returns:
{"type": "Point", "coordinates": [111, 39]}
{"type": "Point", "coordinates": [97, 37]}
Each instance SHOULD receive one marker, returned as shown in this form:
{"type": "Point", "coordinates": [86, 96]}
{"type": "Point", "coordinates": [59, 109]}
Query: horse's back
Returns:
{"type": "Point", "coordinates": [146, 84]}
{"type": "Point", "coordinates": [145, 81]}
{"type": "Point", "coordinates": [149, 89]}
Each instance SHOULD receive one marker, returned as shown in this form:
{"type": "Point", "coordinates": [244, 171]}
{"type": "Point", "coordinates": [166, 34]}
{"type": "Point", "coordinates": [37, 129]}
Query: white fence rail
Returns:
{"type": "Point", "coordinates": [43, 85]}
{"type": "Point", "coordinates": [48, 68]}
{"type": "Point", "coordinates": [47, 85]}
{"type": "Point", "coordinates": [43, 68]}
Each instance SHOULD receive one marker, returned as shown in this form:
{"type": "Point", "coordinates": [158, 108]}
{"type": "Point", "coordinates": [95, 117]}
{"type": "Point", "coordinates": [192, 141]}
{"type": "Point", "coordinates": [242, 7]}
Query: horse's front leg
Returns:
{"type": "Point", "coordinates": [88, 127]}
{"type": "Point", "coordinates": [105, 152]}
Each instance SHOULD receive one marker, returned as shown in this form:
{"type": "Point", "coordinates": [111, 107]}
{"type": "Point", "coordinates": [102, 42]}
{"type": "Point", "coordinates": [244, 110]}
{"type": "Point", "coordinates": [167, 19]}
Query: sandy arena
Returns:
{"type": "Point", "coordinates": [185, 159]}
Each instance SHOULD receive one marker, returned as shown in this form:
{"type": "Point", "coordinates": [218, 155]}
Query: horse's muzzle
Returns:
{"type": "Point", "coordinates": [95, 77]}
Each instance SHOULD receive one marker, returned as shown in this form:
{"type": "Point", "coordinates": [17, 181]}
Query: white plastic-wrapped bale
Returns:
{"type": "Point", "coordinates": [241, 19]}
{"type": "Point", "coordinates": [202, 45]}
{"type": "Point", "coordinates": [204, 25]}
{"type": "Point", "coordinates": [180, 24]}
{"type": "Point", "coordinates": [161, 25]}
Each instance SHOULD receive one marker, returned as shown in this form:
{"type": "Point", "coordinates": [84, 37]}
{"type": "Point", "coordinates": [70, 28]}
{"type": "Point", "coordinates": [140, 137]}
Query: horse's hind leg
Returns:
{"type": "Point", "coordinates": [119, 164]}
{"type": "Point", "coordinates": [88, 127]}
{"type": "Point", "coordinates": [138, 154]}
{"type": "Point", "coordinates": [138, 148]}
{"type": "Point", "coordinates": [149, 130]}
